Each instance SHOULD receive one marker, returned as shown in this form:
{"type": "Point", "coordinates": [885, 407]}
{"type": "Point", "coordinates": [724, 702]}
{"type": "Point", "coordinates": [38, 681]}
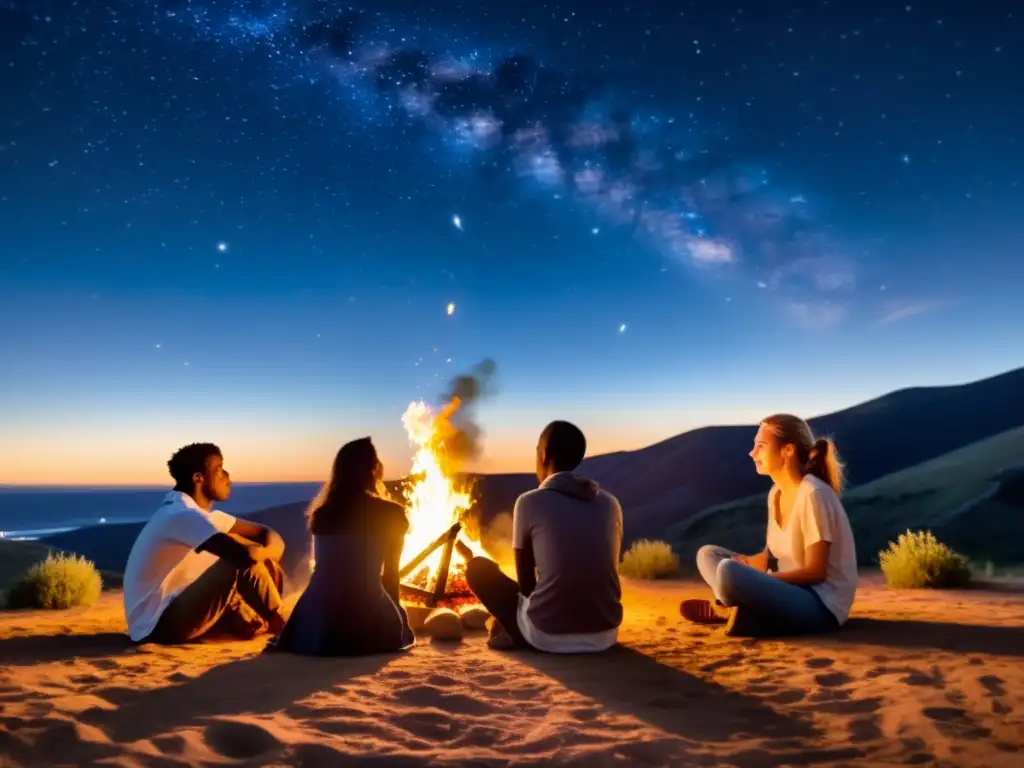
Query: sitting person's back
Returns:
{"type": "Point", "coordinates": [575, 531]}
{"type": "Point", "coordinates": [567, 535]}
{"type": "Point", "coordinates": [351, 605]}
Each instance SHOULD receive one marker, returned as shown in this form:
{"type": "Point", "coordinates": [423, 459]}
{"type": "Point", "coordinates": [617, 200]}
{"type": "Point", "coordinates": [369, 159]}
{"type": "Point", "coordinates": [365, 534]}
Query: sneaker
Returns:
{"type": "Point", "coordinates": [703, 612]}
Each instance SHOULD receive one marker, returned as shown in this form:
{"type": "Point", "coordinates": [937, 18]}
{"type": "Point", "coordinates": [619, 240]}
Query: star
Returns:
{"type": "Point", "coordinates": [451, 310]}
{"type": "Point", "coordinates": [457, 221]}
{"type": "Point", "coordinates": [222, 246]}
{"type": "Point", "coordinates": [622, 328]}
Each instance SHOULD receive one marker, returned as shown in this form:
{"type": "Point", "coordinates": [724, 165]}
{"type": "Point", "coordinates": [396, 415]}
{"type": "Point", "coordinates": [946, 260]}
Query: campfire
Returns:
{"type": "Point", "coordinates": [437, 544]}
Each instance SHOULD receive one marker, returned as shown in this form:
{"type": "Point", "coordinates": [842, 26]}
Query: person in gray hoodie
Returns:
{"type": "Point", "coordinates": [567, 536]}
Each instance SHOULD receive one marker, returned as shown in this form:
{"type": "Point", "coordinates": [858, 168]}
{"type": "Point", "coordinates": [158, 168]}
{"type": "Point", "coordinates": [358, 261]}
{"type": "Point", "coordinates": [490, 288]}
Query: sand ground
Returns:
{"type": "Point", "coordinates": [916, 678]}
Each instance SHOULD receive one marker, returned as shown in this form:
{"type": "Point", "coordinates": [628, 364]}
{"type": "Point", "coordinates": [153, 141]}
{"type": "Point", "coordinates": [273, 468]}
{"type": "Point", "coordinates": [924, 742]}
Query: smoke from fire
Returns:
{"type": "Point", "coordinates": [460, 432]}
{"type": "Point", "coordinates": [462, 438]}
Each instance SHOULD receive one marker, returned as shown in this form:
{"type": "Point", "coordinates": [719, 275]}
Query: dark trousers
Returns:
{"type": "Point", "coordinates": [499, 594]}
{"type": "Point", "coordinates": [237, 602]}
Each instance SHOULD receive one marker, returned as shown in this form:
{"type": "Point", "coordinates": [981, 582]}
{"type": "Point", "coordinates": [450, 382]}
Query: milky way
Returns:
{"type": "Point", "coordinates": [670, 180]}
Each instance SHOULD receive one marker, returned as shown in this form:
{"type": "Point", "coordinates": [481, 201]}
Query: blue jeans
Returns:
{"type": "Point", "coordinates": [796, 610]}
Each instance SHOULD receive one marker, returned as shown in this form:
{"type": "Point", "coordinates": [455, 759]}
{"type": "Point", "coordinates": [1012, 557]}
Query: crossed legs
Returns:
{"type": "Point", "coordinates": [763, 603]}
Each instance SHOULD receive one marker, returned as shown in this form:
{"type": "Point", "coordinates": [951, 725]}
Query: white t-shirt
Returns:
{"type": "Point", "coordinates": [818, 515]}
{"type": "Point", "coordinates": [164, 561]}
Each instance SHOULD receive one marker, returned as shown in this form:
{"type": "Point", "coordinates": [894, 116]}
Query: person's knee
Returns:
{"type": "Point", "coordinates": [730, 577]}
{"type": "Point", "coordinates": [707, 554]}
{"type": "Point", "coordinates": [478, 571]}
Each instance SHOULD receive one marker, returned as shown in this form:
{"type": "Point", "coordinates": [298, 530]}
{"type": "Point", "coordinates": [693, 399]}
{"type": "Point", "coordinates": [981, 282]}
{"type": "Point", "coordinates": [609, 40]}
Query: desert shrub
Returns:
{"type": "Point", "coordinates": [649, 560]}
{"type": "Point", "coordinates": [917, 559]}
{"type": "Point", "coordinates": [59, 581]}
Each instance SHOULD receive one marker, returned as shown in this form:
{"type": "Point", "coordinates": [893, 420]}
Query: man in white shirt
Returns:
{"type": "Point", "coordinates": [567, 536]}
{"type": "Point", "coordinates": [194, 568]}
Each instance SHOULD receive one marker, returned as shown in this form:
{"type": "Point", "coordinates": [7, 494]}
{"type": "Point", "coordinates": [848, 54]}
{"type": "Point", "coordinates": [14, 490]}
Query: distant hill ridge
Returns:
{"type": "Point", "coordinates": [669, 481]}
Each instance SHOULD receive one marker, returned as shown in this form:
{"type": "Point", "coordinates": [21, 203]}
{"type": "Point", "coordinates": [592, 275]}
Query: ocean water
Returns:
{"type": "Point", "coordinates": [28, 512]}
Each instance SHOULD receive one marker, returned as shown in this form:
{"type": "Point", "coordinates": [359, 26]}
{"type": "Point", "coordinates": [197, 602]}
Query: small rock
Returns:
{"type": "Point", "coordinates": [474, 617]}
{"type": "Point", "coordinates": [443, 624]}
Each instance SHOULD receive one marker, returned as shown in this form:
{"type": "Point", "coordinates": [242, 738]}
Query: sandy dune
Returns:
{"type": "Point", "coordinates": [917, 678]}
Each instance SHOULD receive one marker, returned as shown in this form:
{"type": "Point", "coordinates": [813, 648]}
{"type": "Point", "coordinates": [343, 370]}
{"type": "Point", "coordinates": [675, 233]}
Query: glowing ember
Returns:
{"type": "Point", "coordinates": [432, 499]}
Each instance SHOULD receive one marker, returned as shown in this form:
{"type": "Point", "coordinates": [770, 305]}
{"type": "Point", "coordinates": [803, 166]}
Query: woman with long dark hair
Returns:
{"type": "Point", "coordinates": [808, 536]}
{"type": "Point", "coordinates": [351, 605]}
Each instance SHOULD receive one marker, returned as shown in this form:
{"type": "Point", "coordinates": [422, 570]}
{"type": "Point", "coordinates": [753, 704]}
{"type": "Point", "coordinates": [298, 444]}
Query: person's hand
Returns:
{"type": "Point", "coordinates": [464, 550]}
{"type": "Point", "coordinates": [274, 546]}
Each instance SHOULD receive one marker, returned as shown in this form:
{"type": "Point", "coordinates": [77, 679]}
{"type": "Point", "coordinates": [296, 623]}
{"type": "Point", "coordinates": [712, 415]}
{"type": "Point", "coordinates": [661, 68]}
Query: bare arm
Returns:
{"type": "Point", "coordinates": [526, 570]}
{"type": "Point", "coordinates": [815, 566]}
{"type": "Point", "coordinates": [236, 550]}
{"type": "Point", "coordinates": [269, 539]}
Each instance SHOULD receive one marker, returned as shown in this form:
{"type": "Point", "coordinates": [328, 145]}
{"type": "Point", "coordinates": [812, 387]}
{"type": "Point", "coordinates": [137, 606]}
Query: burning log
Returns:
{"type": "Point", "coordinates": [440, 592]}
{"type": "Point", "coordinates": [448, 535]}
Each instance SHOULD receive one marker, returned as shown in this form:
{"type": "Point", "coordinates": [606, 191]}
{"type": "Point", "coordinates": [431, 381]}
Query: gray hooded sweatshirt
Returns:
{"type": "Point", "coordinates": [575, 530]}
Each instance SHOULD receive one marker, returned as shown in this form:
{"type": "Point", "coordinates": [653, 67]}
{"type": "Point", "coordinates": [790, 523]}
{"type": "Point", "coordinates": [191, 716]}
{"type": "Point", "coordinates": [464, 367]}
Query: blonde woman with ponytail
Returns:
{"type": "Point", "coordinates": [809, 536]}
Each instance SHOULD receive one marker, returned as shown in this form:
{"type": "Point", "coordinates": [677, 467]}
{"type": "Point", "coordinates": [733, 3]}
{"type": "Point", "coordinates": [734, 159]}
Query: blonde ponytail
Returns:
{"type": "Point", "coordinates": [824, 463]}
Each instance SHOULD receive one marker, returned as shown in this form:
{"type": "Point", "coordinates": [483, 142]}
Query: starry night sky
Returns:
{"type": "Point", "coordinates": [244, 221]}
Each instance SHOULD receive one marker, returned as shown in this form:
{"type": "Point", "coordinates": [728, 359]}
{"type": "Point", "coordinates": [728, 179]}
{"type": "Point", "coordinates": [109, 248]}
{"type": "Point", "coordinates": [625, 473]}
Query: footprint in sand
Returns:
{"type": "Point", "coordinates": [105, 664]}
{"type": "Point", "coordinates": [86, 679]}
{"type": "Point", "coordinates": [832, 679]}
{"type": "Point", "coordinates": [820, 663]}
{"type": "Point", "coordinates": [955, 723]}
{"type": "Point", "coordinates": [934, 680]}
{"type": "Point", "coordinates": [455, 703]}
{"type": "Point", "coordinates": [492, 679]}
{"type": "Point", "coordinates": [865, 729]}
{"type": "Point", "coordinates": [239, 741]}
{"type": "Point", "coordinates": [993, 685]}
{"type": "Point", "coordinates": [787, 697]}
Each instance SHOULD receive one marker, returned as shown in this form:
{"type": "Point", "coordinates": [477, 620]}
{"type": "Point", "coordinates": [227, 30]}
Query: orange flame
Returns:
{"type": "Point", "coordinates": [433, 501]}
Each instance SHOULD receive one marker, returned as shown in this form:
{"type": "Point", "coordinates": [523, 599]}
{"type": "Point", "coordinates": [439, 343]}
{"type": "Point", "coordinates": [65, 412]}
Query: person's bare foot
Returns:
{"type": "Point", "coordinates": [703, 612]}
